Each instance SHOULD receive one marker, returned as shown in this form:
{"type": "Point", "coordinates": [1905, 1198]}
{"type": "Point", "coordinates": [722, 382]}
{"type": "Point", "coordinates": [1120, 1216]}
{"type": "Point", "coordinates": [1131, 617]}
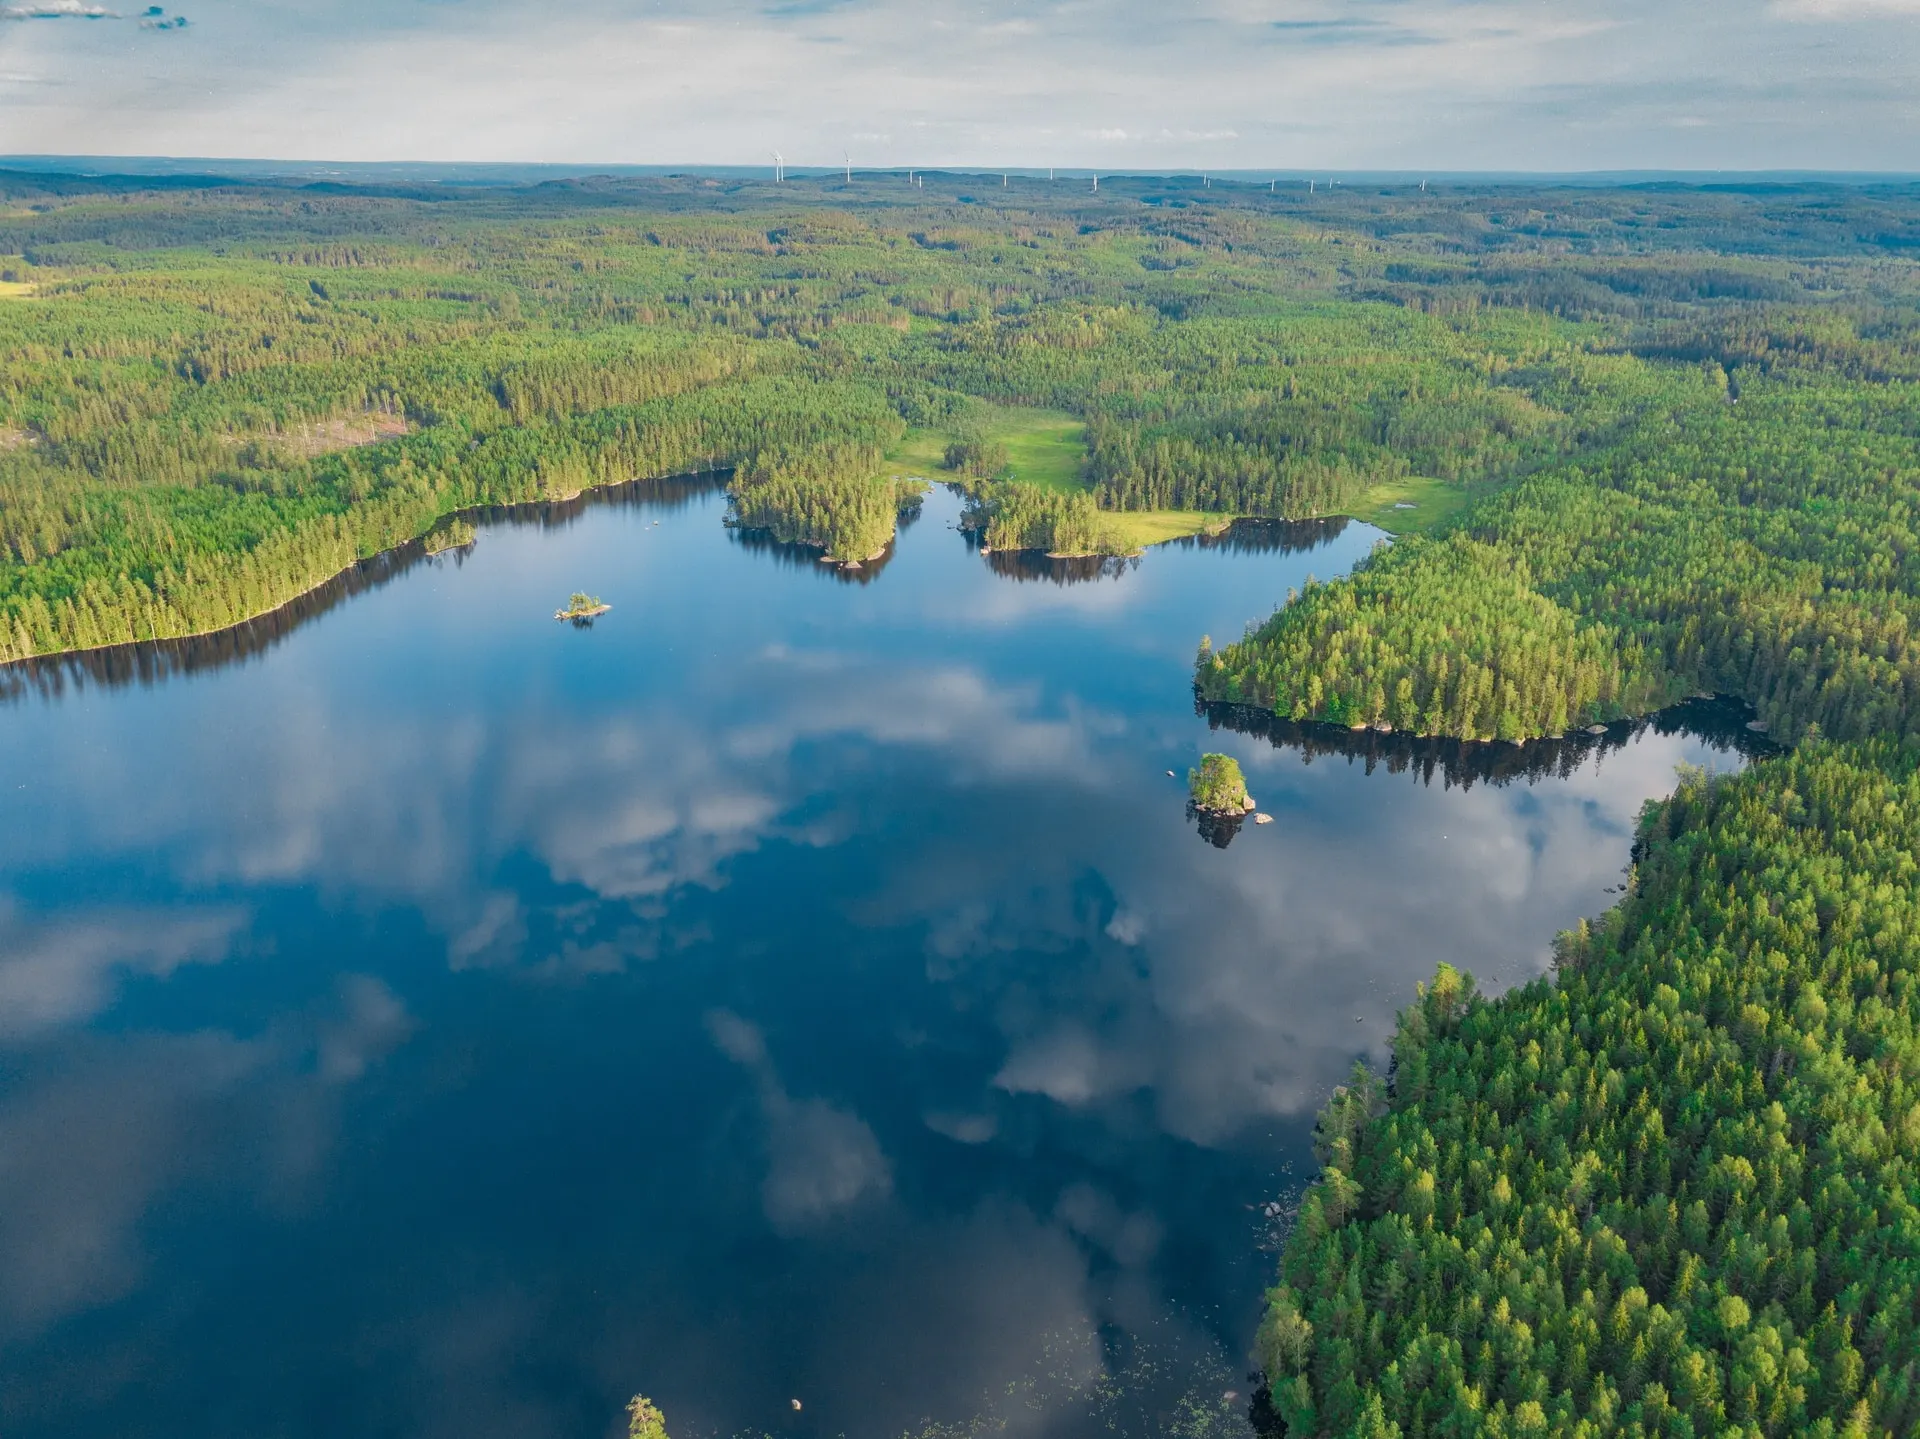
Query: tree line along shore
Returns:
{"type": "Point", "coordinates": [1658, 441]}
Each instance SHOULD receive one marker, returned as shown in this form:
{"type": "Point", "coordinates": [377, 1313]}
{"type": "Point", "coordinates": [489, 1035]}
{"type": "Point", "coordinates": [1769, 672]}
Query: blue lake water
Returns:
{"type": "Point", "coordinates": [436, 1020]}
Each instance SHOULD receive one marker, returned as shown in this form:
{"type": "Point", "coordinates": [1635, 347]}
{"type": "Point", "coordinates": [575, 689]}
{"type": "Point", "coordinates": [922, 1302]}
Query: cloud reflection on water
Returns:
{"type": "Point", "coordinates": [823, 975]}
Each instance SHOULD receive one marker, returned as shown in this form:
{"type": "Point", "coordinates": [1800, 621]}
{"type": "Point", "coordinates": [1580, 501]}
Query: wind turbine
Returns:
{"type": "Point", "coordinates": [779, 169]}
{"type": "Point", "coordinates": [848, 156]}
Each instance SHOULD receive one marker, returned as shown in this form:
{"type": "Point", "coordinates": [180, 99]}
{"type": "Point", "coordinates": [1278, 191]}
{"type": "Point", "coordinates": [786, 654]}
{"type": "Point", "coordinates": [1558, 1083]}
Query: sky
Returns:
{"type": "Point", "coordinates": [1445, 85]}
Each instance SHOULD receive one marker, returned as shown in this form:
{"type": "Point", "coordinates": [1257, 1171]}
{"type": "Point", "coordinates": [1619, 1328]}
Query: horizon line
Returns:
{"type": "Point", "coordinates": [140, 166]}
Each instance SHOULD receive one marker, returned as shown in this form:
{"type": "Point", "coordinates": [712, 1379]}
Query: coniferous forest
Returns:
{"type": "Point", "coordinates": [1650, 441]}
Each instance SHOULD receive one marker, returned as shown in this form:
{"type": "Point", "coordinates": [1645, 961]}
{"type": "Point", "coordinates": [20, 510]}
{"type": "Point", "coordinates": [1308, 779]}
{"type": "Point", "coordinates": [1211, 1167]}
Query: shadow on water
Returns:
{"type": "Point", "coordinates": [1251, 536]}
{"type": "Point", "coordinates": [149, 662]}
{"type": "Point", "coordinates": [1258, 536]}
{"type": "Point", "coordinates": [1216, 829]}
{"type": "Point", "coordinates": [808, 557]}
{"type": "Point", "coordinates": [1031, 565]}
{"type": "Point", "coordinates": [1721, 722]}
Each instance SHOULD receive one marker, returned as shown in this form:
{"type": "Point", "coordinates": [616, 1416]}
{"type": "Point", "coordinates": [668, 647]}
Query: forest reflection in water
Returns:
{"type": "Point", "coordinates": [1258, 536]}
{"type": "Point", "coordinates": [1720, 722]}
{"type": "Point", "coordinates": [1242, 537]}
{"type": "Point", "coordinates": [149, 662]}
{"type": "Point", "coordinates": [809, 557]}
{"type": "Point", "coordinates": [785, 989]}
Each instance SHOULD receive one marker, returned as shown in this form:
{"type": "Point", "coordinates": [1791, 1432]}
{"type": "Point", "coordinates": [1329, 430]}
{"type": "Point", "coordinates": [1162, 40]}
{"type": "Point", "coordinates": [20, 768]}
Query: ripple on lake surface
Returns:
{"type": "Point", "coordinates": [422, 1018]}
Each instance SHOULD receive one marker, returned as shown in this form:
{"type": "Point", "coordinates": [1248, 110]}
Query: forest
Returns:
{"type": "Point", "coordinates": [214, 395]}
{"type": "Point", "coordinates": [1658, 441]}
{"type": "Point", "coordinates": [1669, 1191]}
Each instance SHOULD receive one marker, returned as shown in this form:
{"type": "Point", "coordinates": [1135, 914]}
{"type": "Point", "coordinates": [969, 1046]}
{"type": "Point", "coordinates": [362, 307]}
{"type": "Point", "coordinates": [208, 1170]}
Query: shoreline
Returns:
{"type": "Point", "coordinates": [388, 557]}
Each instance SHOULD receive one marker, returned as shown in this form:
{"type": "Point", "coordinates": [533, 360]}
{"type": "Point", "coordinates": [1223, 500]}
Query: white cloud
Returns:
{"type": "Point", "coordinates": [1459, 84]}
{"type": "Point", "coordinates": [60, 971]}
{"type": "Point", "coordinates": [1131, 1238]}
{"type": "Point", "coordinates": [92, 1145]}
{"type": "Point", "coordinates": [822, 1160]}
{"type": "Point", "coordinates": [963, 1128]}
{"type": "Point", "coordinates": [1844, 9]}
{"type": "Point", "coordinates": [1064, 1065]}
{"type": "Point", "coordinates": [57, 10]}
{"type": "Point", "coordinates": [372, 1024]}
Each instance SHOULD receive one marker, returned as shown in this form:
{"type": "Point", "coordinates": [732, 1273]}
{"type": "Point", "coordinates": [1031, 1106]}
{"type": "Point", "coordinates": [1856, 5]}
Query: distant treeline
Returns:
{"type": "Point", "coordinates": [215, 396]}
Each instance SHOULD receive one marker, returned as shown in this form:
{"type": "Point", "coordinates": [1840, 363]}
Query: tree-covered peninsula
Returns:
{"type": "Point", "coordinates": [833, 498]}
{"type": "Point", "coordinates": [1669, 1190]}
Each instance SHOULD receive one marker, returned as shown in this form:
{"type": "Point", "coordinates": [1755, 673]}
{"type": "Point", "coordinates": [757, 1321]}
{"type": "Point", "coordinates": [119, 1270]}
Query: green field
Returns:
{"type": "Point", "coordinates": [1048, 448]}
{"type": "Point", "coordinates": [1155, 527]}
{"type": "Point", "coordinates": [1412, 506]}
{"type": "Point", "coordinates": [1044, 447]}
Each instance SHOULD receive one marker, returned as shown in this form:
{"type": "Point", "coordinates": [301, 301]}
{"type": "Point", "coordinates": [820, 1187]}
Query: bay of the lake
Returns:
{"type": "Point", "coordinates": [807, 1002]}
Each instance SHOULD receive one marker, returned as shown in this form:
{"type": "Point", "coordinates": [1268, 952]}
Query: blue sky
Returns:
{"type": "Point", "coordinates": [1143, 84]}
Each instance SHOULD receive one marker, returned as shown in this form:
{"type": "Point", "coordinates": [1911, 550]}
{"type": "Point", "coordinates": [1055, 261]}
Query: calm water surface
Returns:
{"type": "Point", "coordinates": [448, 1022]}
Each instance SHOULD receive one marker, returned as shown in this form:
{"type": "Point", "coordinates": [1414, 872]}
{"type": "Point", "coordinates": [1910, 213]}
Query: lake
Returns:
{"type": "Point", "coordinates": [805, 1000]}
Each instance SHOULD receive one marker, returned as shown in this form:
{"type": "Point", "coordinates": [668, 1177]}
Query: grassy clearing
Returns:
{"type": "Point", "coordinates": [1044, 447]}
{"type": "Point", "coordinates": [1047, 448]}
{"type": "Point", "coordinates": [922, 453]}
{"type": "Point", "coordinates": [1155, 527]}
{"type": "Point", "coordinates": [1431, 502]}
{"type": "Point", "coordinates": [15, 289]}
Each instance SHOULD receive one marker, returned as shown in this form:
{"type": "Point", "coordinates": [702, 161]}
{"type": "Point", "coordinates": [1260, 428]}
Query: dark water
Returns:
{"type": "Point", "coordinates": [436, 1020]}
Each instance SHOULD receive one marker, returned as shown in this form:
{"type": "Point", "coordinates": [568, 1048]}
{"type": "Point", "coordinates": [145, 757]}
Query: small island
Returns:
{"type": "Point", "coordinates": [582, 608]}
{"type": "Point", "coordinates": [1218, 787]}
